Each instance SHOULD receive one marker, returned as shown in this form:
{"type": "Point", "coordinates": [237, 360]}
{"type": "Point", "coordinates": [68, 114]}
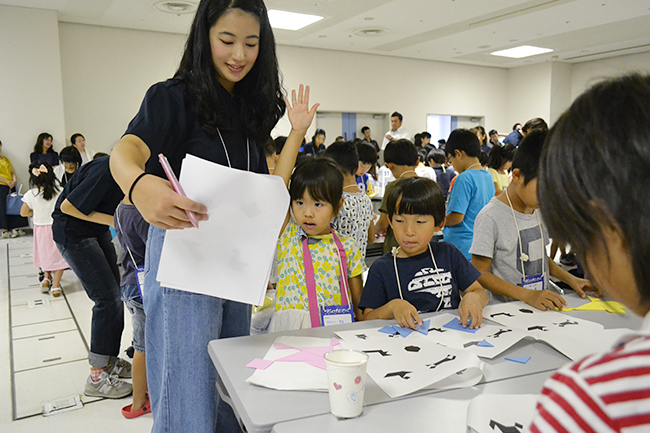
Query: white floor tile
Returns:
{"type": "Point", "coordinates": [39, 329]}
{"type": "Point", "coordinates": [48, 350]}
{"type": "Point", "coordinates": [24, 315]}
{"type": "Point", "coordinates": [55, 381]}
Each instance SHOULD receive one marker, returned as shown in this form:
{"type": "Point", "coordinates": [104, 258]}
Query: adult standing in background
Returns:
{"type": "Point", "coordinates": [396, 131]}
{"type": "Point", "coordinates": [515, 136]}
{"type": "Point", "coordinates": [7, 182]}
{"type": "Point", "coordinates": [43, 150]}
{"type": "Point", "coordinates": [79, 142]}
{"type": "Point", "coordinates": [368, 139]}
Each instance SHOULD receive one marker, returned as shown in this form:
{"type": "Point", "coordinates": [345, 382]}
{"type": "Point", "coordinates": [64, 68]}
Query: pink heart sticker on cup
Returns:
{"type": "Point", "coordinates": [337, 386]}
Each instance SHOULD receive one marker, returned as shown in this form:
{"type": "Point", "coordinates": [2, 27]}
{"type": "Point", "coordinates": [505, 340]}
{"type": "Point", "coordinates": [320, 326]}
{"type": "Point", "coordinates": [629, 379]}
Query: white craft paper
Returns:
{"type": "Point", "coordinates": [230, 255]}
{"type": "Point", "coordinates": [402, 365]}
{"type": "Point", "coordinates": [491, 413]}
{"type": "Point", "coordinates": [291, 376]}
{"type": "Point", "coordinates": [576, 345]}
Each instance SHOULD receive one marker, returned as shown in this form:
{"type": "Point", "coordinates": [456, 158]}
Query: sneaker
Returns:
{"type": "Point", "coordinates": [108, 386]}
{"type": "Point", "coordinates": [16, 233]}
{"type": "Point", "coordinates": [119, 367]}
{"type": "Point", "coordinates": [6, 234]}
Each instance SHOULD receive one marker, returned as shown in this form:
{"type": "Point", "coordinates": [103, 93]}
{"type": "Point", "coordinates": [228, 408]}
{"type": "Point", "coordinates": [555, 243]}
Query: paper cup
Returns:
{"type": "Point", "coordinates": [346, 379]}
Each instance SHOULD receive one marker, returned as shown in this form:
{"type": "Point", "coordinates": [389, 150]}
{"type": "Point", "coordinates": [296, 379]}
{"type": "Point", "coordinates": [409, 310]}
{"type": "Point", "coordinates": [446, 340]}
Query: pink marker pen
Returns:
{"type": "Point", "coordinates": [176, 186]}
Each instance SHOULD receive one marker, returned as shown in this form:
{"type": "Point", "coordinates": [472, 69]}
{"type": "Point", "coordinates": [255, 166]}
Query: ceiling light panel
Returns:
{"type": "Point", "coordinates": [291, 20]}
{"type": "Point", "coordinates": [521, 52]}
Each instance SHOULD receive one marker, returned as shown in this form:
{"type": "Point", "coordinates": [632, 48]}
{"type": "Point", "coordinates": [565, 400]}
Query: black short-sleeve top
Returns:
{"type": "Point", "coordinates": [51, 158]}
{"type": "Point", "coordinates": [91, 189]}
{"type": "Point", "coordinates": [168, 125]}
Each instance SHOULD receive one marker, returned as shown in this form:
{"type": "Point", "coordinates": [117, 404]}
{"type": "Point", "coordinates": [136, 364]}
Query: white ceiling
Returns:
{"type": "Point", "coordinates": [458, 31]}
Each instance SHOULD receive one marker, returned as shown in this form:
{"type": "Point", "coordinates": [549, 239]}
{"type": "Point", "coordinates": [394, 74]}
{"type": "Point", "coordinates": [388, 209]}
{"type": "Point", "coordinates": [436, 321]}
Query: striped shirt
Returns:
{"type": "Point", "coordinates": [601, 393]}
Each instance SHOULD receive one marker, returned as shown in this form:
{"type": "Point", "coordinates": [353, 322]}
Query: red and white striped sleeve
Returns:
{"type": "Point", "coordinates": [601, 393]}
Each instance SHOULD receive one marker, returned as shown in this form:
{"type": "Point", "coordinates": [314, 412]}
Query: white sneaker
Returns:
{"type": "Point", "coordinates": [6, 234]}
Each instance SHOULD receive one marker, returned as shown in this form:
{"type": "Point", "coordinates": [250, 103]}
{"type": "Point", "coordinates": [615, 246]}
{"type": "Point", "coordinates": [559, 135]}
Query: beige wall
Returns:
{"type": "Point", "coordinates": [106, 72]}
{"type": "Point", "coordinates": [584, 75]}
{"type": "Point", "coordinates": [31, 98]}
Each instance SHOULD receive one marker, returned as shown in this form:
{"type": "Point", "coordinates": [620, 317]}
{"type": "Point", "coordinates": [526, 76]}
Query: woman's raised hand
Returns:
{"type": "Point", "coordinates": [300, 115]}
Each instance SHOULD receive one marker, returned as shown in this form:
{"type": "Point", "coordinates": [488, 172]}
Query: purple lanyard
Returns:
{"type": "Point", "coordinates": [311, 281]}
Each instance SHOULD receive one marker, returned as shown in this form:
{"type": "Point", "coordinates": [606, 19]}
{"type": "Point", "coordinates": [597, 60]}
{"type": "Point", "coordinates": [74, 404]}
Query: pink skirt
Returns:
{"type": "Point", "coordinates": [46, 254]}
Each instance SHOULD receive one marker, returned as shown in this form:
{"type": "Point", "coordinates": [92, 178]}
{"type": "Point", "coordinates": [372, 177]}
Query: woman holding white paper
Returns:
{"type": "Point", "coordinates": [220, 106]}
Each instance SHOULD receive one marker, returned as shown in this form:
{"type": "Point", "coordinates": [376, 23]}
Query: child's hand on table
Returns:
{"type": "Point", "coordinates": [544, 300]}
{"type": "Point", "coordinates": [405, 314]}
{"type": "Point", "coordinates": [581, 285]}
{"type": "Point", "coordinates": [470, 306]}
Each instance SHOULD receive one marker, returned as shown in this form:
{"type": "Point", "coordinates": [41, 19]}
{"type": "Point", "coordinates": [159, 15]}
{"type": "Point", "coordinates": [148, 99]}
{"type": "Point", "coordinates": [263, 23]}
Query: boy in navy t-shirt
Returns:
{"type": "Point", "coordinates": [420, 275]}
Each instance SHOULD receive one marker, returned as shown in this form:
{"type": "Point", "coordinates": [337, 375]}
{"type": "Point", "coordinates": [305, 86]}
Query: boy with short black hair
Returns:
{"type": "Point", "coordinates": [400, 157]}
{"type": "Point", "coordinates": [471, 191]}
{"type": "Point", "coordinates": [509, 246]}
{"type": "Point", "coordinates": [436, 159]}
{"type": "Point", "coordinates": [421, 276]}
{"type": "Point", "coordinates": [354, 220]}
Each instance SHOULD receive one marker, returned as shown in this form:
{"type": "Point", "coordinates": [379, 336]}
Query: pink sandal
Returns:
{"type": "Point", "coordinates": [126, 410]}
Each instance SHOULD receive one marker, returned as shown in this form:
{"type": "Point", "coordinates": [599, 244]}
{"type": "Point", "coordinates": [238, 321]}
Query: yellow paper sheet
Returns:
{"type": "Point", "coordinates": [596, 304]}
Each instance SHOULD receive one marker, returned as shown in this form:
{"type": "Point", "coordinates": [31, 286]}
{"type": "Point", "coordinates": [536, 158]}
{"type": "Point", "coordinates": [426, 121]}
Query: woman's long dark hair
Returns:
{"type": "Point", "coordinates": [46, 180]}
{"type": "Point", "coordinates": [38, 147]}
{"type": "Point", "coordinates": [260, 90]}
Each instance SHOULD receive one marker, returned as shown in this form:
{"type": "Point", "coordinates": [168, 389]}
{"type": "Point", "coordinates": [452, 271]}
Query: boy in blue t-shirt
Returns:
{"type": "Point", "coordinates": [471, 191]}
{"type": "Point", "coordinates": [421, 276]}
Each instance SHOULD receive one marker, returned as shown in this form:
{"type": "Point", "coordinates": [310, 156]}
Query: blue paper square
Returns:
{"type": "Point", "coordinates": [521, 359]}
{"type": "Point", "coordinates": [484, 343]}
{"type": "Point", "coordinates": [404, 332]}
{"type": "Point", "coordinates": [455, 324]}
{"type": "Point", "coordinates": [424, 327]}
{"type": "Point", "coordinates": [388, 330]}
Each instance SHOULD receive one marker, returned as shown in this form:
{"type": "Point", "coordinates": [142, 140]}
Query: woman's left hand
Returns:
{"type": "Point", "coordinates": [300, 115]}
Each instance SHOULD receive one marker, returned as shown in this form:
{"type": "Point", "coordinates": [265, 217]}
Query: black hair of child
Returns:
{"type": "Point", "coordinates": [367, 153]}
{"type": "Point", "coordinates": [401, 152]}
{"type": "Point", "coordinates": [528, 154]}
{"type": "Point", "coordinates": [534, 124]}
{"type": "Point", "coordinates": [321, 177]}
{"type": "Point", "coordinates": [594, 172]}
{"type": "Point", "coordinates": [70, 154]}
{"type": "Point", "coordinates": [47, 181]}
{"type": "Point", "coordinates": [398, 115]}
{"type": "Point", "coordinates": [269, 147]}
{"type": "Point", "coordinates": [345, 154]}
{"type": "Point", "coordinates": [262, 99]}
{"type": "Point", "coordinates": [499, 155]}
{"type": "Point", "coordinates": [279, 143]}
{"type": "Point", "coordinates": [438, 156]}
{"type": "Point", "coordinates": [463, 140]}
{"type": "Point", "coordinates": [416, 196]}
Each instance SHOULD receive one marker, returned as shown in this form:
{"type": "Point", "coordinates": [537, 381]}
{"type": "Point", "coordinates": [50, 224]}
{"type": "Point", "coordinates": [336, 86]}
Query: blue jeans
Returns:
{"type": "Point", "coordinates": [180, 373]}
{"type": "Point", "coordinates": [94, 262]}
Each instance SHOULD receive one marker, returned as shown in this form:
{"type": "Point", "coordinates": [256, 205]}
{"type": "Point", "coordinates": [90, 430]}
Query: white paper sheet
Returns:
{"type": "Point", "coordinates": [291, 376]}
{"type": "Point", "coordinates": [491, 413]}
{"type": "Point", "coordinates": [229, 256]}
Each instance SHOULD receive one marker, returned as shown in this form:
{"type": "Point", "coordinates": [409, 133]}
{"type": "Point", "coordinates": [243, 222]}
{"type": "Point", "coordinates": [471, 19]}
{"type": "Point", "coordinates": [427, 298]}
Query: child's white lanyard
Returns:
{"type": "Point", "coordinates": [435, 265]}
{"type": "Point", "coordinates": [524, 257]}
{"type": "Point", "coordinates": [311, 281]}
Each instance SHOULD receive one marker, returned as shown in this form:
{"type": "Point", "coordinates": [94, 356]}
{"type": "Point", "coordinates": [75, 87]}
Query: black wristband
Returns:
{"type": "Point", "coordinates": [137, 179]}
